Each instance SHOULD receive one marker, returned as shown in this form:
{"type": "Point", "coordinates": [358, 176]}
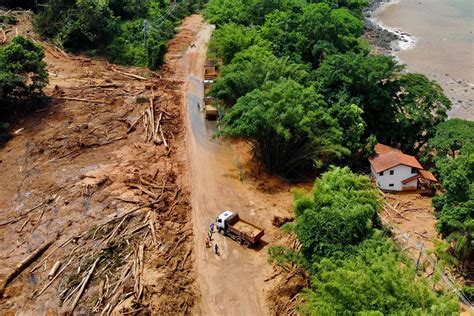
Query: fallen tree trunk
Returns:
{"type": "Point", "coordinates": [24, 264]}
{"type": "Point", "coordinates": [83, 287]}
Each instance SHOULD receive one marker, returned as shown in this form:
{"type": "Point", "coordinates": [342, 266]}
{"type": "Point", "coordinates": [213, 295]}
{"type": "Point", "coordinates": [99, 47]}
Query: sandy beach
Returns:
{"type": "Point", "coordinates": [437, 39]}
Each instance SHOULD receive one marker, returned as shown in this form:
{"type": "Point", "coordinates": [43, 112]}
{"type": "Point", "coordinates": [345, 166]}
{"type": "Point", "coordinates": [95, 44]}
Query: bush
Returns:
{"type": "Point", "coordinates": [8, 19]}
{"type": "Point", "coordinates": [377, 280]}
{"type": "Point", "coordinates": [340, 213]}
{"type": "Point", "coordinates": [22, 79]}
{"type": "Point", "coordinates": [156, 54]}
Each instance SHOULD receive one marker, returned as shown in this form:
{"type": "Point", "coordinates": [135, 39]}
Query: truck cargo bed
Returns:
{"type": "Point", "coordinates": [244, 230]}
{"type": "Point", "coordinates": [247, 228]}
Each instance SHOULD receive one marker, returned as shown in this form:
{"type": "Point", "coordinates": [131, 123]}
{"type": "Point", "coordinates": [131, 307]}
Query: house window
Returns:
{"type": "Point", "coordinates": [381, 173]}
{"type": "Point", "coordinates": [391, 172]}
{"type": "Point", "coordinates": [390, 185]}
{"type": "Point", "coordinates": [414, 170]}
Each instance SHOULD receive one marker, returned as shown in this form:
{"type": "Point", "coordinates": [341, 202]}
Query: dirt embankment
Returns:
{"type": "Point", "coordinates": [83, 173]}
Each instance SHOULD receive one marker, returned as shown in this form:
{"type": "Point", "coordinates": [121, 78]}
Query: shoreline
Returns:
{"type": "Point", "coordinates": [380, 37]}
{"type": "Point", "coordinates": [391, 41]}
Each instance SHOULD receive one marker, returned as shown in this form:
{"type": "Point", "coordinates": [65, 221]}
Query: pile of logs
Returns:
{"type": "Point", "coordinates": [109, 257]}
{"type": "Point", "coordinates": [153, 129]}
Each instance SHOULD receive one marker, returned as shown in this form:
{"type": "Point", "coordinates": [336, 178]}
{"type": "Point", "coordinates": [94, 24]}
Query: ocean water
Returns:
{"type": "Point", "coordinates": [439, 44]}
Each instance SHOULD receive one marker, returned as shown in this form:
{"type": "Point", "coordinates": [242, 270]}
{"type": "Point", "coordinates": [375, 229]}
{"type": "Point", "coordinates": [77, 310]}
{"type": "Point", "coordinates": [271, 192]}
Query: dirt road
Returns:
{"type": "Point", "coordinates": [232, 283]}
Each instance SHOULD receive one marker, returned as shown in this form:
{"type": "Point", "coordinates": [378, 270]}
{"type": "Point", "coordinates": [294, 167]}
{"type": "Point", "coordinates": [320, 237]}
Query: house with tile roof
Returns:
{"type": "Point", "coordinates": [396, 171]}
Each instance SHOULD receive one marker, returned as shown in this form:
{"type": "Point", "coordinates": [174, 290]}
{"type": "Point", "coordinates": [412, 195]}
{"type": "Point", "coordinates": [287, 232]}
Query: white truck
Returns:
{"type": "Point", "coordinates": [230, 224]}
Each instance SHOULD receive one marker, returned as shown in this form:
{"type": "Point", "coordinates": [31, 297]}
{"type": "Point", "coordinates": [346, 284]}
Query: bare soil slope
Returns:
{"type": "Point", "coordinates": [102, 179]}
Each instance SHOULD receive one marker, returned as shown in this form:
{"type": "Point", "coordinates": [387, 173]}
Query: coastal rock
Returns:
{"type": "Point", "coordinates": [378, 36]}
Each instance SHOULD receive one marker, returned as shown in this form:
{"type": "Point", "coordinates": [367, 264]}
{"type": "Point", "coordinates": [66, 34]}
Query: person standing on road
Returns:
{"type": "Point", "coordinates": [216, 249]}
{"type": "Point", "coordinates": [211, 229]}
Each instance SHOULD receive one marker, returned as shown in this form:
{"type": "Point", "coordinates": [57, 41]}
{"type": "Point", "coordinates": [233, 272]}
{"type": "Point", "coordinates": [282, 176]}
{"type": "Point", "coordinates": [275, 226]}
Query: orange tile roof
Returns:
{"type": "Point", "coordinates": [381, 149]}
{"type": "Point", "coordinates": [427, 175]}
{"type": "Point", "coordinates": [388, 157]}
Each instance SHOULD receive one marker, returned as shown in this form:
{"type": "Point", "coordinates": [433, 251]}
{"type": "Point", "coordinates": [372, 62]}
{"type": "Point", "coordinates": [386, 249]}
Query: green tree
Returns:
{"type": "Point", "coordinates": [340, 212]}
{"type": "Point", "coordinates": [377, 280]}
{"type": "Point", "coordinates": [231, 39]}
{"type": "Point", "coordinates": [226, 11]}
{"type": "Point", "coordinates": [25, 4]}
{"type": "Point", "coordinates": [455, 207]}
{"type": "Point", "coordinates": [351, 121]}
{"type": "Point", "coordinates": [156, 54]}
{"type": "Point", "coordinates": [258, 10]}
{"type": "Point", "coordinates": [281, 30]}
{"type": "Point", "coordinates": [328, 31]}
{"type": "Point", "coordinates": [366, 81]}
{"type": "Point", "coordinates": [420, 105]}
{"type": "Point", "coordinates": [250, 69]}
{"type": "Point", "coordinates": [288, 126]}
{"type": "Point", "coordinates": [23, 76]}
{"type": "Point", "coordinates": [354, 5]}
{"type": "Point", "coordinates": [77, 25]}
{"type": "Point", "coordinates": [452, 138]}
{"type": "Point", "coordinates": [353, 268]}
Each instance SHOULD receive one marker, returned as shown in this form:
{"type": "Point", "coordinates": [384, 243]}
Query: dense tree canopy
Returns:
{"type": "Point", "coordinates": [377, 280]}
{"type": "Point", "coordinates": [250, 69]}
{"type": "Point", "coordinates": [122, 30]}
{"type": "Point", "coordinates": [368, 95]}
{"type": "Point", "coordinates": [246, 12]}
{"type": "Point", "coordinates": [25, 4]}
{"type": "Point", "coordinates": [419, 107]}
{"type": "Point", "coordinates": [231, 39]}
{"type": "Point", "coordinates": [227, 11]}
{"type": "Point", "coordinates": [288, 125]}
{"type": "Point", "coordinates": [455, 207]}
{"type": "Point", "coordinates": [398, 109]}
{"type": "Point", "coordinates": [452, 138]}
{"type": "Point", "coordinates": [341, 211]}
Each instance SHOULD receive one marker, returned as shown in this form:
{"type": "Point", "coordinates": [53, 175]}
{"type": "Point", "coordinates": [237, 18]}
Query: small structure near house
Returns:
{"type": "Point", "coordinates": [396, 171]}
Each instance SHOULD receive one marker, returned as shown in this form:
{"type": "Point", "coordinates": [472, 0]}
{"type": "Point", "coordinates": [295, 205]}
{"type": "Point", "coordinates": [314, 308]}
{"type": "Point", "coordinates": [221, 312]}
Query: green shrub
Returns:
{"type": "Point", "coordinates": [22, 79]}
{"type": "Point", "coordinates": [156, 54]}
{"type": "Point", "coordinates": [8, 19]}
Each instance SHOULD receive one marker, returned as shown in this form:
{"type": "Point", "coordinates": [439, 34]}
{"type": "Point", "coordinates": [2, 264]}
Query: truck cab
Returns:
{"type": "Point", "coordinates": [221, 220]}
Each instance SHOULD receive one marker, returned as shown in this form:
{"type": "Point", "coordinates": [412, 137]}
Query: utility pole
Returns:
{"type": "Point", "coordinates": [419, 258]}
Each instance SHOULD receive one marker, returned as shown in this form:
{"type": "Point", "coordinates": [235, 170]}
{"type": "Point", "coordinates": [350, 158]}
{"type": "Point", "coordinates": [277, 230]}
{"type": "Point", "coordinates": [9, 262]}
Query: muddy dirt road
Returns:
{"type": "Point", "coordinates": [233, 282]}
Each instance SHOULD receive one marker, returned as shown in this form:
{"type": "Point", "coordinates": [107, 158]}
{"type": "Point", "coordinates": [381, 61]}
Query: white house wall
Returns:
{"type": "Point", "coordinates": [412, 185]}
{"type": "Point", "coordinates": [400, 173]}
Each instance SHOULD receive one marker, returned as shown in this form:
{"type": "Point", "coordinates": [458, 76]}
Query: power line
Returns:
{"type": "Point", "coordinates": [406, 239]}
